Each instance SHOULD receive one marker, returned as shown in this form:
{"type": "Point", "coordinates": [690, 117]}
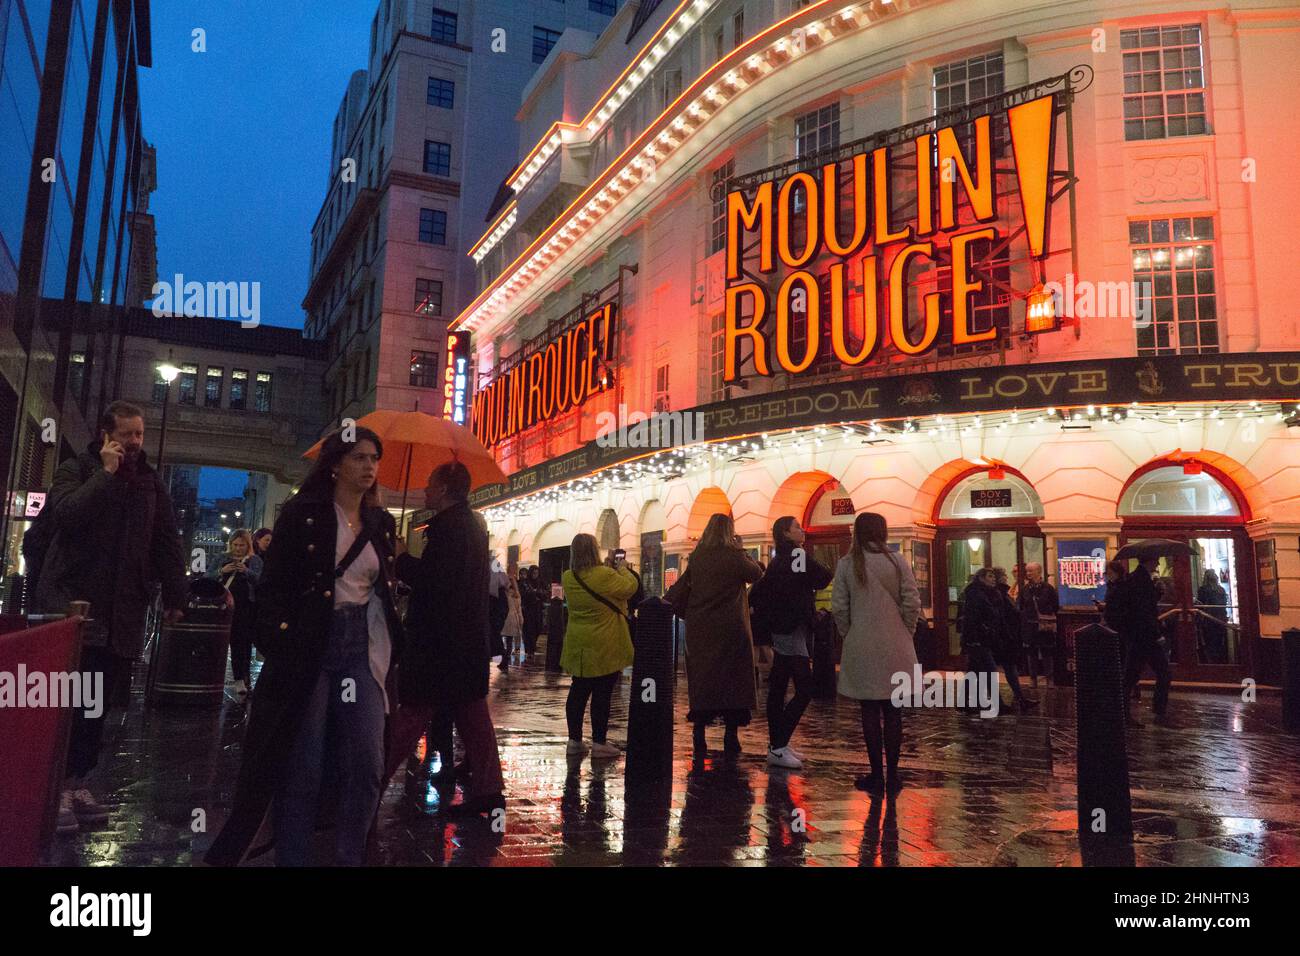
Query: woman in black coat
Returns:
{"type": "Point", "coordinates": [533, 600]}
{"type": "Point", "coordinates": [331, 639]}
{"type": "Point", "coordinates": [1008, 652]}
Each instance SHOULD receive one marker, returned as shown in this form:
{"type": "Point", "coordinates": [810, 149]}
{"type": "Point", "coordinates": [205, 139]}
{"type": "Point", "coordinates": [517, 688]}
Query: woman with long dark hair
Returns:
{"type": "Point", "coordinates": [876, 605]}
{"type": "Point", "coordinates": [784, 600]}
{"type": "Point", "coordinates": [719, 645]}
{"type": "Point", "coordinates": [328, 629]}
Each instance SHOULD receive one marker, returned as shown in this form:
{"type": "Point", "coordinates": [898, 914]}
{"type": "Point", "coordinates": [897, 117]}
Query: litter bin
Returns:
{"type": "Point", "coordinates": [188, 664]}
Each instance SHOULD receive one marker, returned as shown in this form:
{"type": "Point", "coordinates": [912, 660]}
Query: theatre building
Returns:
{"type": "Point", "coordinates": [1018, 277]}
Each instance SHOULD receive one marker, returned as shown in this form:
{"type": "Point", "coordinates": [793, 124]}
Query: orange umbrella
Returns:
{"type": "Point", "coordinates": [415, 443]}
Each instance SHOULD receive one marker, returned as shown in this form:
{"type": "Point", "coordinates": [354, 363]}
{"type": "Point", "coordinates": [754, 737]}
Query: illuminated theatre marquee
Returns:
{"type": "Point", "coordinates": [549, 381]}
{"type": "Point", "coordinates": [885, 248]}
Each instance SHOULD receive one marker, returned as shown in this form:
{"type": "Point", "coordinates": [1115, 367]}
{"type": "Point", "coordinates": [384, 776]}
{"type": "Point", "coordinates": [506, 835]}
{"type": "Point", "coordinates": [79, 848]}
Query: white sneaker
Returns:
{"type": "Point", "coordinates": [605, 751]}
{"type": "Point", "coordinates": [241, 689]}
{"type": "Point", "coordinates": [575, 747]}
{"type": "Point", "coordinates": [67, 816]}
{"type": "Point", "coordinates": [783, 758]}
{"type": "Point", "coordinates": [87, 808]}
{"type": "Point", "coordinates": [799, 755]}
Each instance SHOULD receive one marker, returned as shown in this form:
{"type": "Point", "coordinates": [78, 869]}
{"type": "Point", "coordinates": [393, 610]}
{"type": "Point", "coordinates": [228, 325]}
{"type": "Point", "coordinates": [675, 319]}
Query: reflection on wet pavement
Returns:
{"type": "Point", "coordinates": [1216, 785]}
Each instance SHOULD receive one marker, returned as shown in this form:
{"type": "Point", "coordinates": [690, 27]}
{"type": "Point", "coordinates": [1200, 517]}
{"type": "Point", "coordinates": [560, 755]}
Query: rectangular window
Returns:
{"type": "Point", "coordinates": [1164, 82]}
{"type": "Point", "coordinates": [717, 352]}
{"type": "Point", "coordinates": [443, 29]}
{"type": "Point", "coordinates": [262, 392]}
{"type": "Point", "coordinates": [442, 93]}
{"type": "Point", "coordinates": [543, 40]}
{"type": "Point", "coordinates": [1173, 272]}
{"type": "Point", "coordinates": [433, 226]}
{"type": "Point", "coordinates": [956, 84]}
{"type": "Point", "coordinates": [719, 45]}
{"type": "Point", "coordinates": [437, 158]}
{"type": "Point", "coordinates": [239, 388]}
{"type": "Point", "coordinates": [77, 375]}
{"type": "Point", "coordinates": [661, 389]}
{"type": "Point", "coordinates": [159, 387]}
{"type": "Point", "coordinates": [428, 296]}
{"type": "Point", "coordinates": [383, 108]}
{"type": "Point", "coordinates": [424, 369]}
{"type": "Point", "coordinates": [212, 386]}
{"type": "Point", "coordinates": [816, 131]}
{"type": "Point", "coordinates": [738, 28]}
{"type": "Point", "coordinates": [672, 87]}
{"type": "Point", "coordinates": [188, 385]}
{"type": "Point", "coordinates": [718, 196]}
{"type": "Point", "coordinates": [606, 7]}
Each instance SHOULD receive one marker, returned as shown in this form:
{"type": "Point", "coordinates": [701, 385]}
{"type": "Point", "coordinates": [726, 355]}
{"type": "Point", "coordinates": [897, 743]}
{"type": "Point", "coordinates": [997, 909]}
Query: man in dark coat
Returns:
{"type": "Point", "coordinates": [114, 535]}
{"type": "Point", "coordinates": [1038, 604]}
{"type": "Point", "coordinates": [1141, 626]}
{"type": "Point", "coordinates": [445, 671]}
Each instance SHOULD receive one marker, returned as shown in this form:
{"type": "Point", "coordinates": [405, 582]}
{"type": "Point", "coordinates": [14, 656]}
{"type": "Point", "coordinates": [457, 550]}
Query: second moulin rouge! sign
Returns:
{"type": "Point", "coordinates": [807, 215]}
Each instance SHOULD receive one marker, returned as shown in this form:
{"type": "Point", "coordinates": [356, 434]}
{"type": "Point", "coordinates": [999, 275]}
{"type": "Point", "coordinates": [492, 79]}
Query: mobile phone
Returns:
{"type": "Point", "coordinates": [620, 554]}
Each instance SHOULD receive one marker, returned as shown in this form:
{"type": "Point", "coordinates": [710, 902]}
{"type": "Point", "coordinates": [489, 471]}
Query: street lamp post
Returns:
{"type": "Point", "coordinates": [168, 372]}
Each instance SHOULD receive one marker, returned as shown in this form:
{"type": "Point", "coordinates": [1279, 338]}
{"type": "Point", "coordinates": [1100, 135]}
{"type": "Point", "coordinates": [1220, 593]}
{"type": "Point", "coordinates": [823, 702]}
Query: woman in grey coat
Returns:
{"type": "Point", "coordinates": [876, 605]}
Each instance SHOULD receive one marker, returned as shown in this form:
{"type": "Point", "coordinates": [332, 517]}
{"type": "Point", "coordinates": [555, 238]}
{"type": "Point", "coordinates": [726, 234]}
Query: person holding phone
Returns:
{"type": "Point", "coordinates": [239, 574]}
{"type": "Point", "coordinates": [597, 642]}
{"type": "Point", "coordinates": [113, 533]}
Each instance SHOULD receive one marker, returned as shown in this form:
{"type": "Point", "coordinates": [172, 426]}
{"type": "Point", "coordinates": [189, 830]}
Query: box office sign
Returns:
{"type": "Point", "coordinates": [847, 210]}
{"type": "Point", "coordinates": [1254, 376]}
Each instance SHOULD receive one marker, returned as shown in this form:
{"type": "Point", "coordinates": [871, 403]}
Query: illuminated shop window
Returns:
{"type": "Point", "coordinates": [1164, 82]}
{"type": "Point", "coordinates": [981, 497]}
{"type": "Point", "coordinates": [718, 226]}
{"type": "Point", "coordinates": [1173, 271]}
{"type": "Point", "coordinates": [1170, 491]}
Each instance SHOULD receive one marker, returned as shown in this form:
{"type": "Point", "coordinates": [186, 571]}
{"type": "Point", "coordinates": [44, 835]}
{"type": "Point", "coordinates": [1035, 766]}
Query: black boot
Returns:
{"type": "Point", "coordinates": [698, 738]}
{"type": "Point", "coordinates": [731, 742]}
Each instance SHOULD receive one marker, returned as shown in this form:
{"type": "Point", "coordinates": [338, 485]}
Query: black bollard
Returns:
{"type": "Point", "coordinates": [556, 620]}
{"type": "Point", "coordinates": [650, 702]}
{"type": "Point", "coordinates": [1105, 805]}
{"type": "Point", "coordinates": [1291, 680]}
{"type": "Point", "coordinates": [823, 656]}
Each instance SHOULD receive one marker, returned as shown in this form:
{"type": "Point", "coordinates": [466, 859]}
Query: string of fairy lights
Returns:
{"type": "Point", "coordinates": [682, 461]}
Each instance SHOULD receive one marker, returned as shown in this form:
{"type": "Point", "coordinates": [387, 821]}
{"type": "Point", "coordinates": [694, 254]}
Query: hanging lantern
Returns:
{"type": "Point", "coordinates": [1040, 311]}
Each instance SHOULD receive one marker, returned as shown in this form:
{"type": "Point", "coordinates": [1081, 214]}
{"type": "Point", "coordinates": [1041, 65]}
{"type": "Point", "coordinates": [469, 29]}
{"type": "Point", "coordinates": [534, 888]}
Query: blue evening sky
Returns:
{"type": "Point", "coordinates": [243, 136]}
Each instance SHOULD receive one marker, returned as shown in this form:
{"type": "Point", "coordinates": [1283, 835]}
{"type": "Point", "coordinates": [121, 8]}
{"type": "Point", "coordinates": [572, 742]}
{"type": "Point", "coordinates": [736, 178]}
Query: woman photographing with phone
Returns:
{"type": "Point", "coordinates": [239, 574]}
{"type": "Point", "coordinates": [597, 645]}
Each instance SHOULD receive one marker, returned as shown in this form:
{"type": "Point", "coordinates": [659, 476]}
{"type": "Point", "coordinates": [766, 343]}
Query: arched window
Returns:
{"type": "Point", "coordinates": [1169, 490]}
{"type": "Point", "coordinates": [981, 497]}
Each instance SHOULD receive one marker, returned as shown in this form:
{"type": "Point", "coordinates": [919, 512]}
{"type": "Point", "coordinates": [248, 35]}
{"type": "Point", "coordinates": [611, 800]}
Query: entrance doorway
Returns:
{"type": "Point", "coordinates": [1209, 608]}
{"type": "Point", "coordinates": [983, 522]}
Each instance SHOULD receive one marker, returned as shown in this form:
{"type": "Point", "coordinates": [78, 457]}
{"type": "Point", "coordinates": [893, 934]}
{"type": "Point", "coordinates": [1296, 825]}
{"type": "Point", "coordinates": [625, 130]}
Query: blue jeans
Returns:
{"type": "Point", "coordinates": [343, 721]}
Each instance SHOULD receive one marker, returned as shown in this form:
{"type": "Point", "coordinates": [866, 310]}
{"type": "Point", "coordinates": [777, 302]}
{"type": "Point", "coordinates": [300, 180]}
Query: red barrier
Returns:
{"type": "Point", "coordinates": [33, 740]}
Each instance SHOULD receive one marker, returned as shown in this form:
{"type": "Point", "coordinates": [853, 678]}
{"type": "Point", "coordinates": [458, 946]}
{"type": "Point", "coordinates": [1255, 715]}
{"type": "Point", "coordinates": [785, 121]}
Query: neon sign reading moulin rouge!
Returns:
{"type": "Point", "coordinates": [815, 197]}
{"type": "Point", "coordinates": [550, 381]}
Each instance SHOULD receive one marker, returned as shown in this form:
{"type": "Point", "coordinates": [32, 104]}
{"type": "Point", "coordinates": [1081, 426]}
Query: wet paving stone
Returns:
{"type": "Point", "coordinates": [1215, 785]}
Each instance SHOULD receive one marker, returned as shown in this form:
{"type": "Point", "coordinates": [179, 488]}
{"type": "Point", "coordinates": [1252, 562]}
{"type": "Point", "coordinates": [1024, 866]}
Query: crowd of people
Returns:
{"type": "Point", "coordinates": [332, 602]}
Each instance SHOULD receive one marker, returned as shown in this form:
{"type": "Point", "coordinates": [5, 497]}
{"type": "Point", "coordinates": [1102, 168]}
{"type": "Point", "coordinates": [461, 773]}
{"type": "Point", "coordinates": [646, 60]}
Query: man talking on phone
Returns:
{"type": "Point", "coordinates": [114, 533]}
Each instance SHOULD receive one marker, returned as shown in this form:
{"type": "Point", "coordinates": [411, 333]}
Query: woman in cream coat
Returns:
{"type": "Point", "coordinates": [876, 604]}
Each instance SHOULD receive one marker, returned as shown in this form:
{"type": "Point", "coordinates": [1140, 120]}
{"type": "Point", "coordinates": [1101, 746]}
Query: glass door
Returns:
{"type": "Point", "coordinates": [967, 551]}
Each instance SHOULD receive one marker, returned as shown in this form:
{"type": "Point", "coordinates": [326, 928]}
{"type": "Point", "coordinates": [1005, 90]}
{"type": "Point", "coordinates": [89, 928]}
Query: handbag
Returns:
{"type": "Point", "coordinates": [679, 595]}
{"type": "Point", "coordinates": [601, 598]}
{"type": "Point", "coordinates": [1046, 622]}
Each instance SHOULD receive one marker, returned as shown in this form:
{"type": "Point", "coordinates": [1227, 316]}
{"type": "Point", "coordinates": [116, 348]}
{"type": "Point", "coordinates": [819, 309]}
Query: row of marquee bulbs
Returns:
{"type": "Point", "coordinates": [676, 462]}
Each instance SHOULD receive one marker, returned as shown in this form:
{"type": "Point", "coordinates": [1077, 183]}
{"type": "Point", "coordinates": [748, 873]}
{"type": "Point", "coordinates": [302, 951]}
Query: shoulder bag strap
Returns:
{"type": "Point", "coordinates": [358, 545]}
{"type": "Point", "coordinates": [609, 604]}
